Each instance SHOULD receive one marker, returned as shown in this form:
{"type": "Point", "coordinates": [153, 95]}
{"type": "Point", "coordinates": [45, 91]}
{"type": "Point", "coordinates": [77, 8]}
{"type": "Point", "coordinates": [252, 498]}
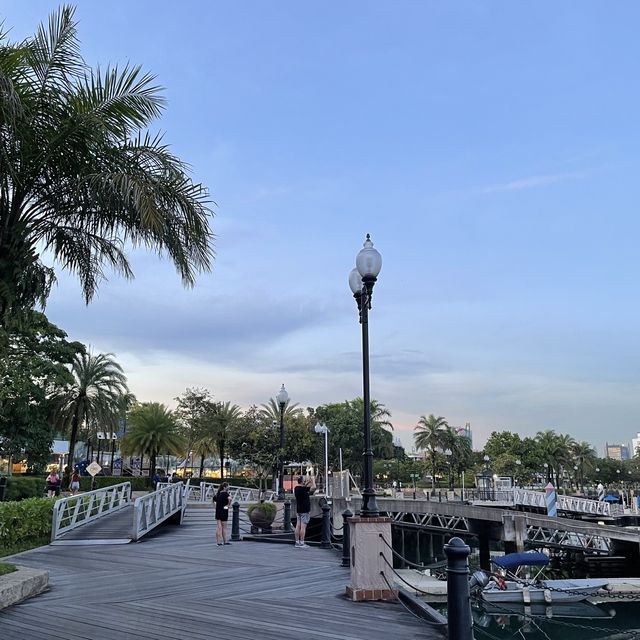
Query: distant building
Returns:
{"type": "Point", "coordinates": [635, 443]}
{"type": "Point", "coordinates": [466, 432]}
{"type": "Point", "coordinates": [616, 451]}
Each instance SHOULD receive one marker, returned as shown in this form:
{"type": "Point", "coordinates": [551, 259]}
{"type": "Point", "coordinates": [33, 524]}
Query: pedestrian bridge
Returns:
{"type": "Point", "coordinates": [111, 515]}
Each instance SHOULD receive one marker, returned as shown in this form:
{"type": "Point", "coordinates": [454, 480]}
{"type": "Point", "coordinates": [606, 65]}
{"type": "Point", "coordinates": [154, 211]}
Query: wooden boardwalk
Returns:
{"type": "Point", "coordinates": [113, 528]}
{"type": "Point", "coordinates": [179, 584]}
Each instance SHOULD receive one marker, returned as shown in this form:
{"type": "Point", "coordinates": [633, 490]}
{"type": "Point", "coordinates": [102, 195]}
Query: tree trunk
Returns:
{"type": "Point", "coordinates": [221, 449]}
{"type": "Point", "coordinates": [141, 464]}
{"type": "Point", "coordinates": [152, 465]}
{"type": "Point", "coordinates": [201, 465]}
{"type": "Point", "coordinates": [433, 470]}
{"type": "Point", "coordinates": [72, 445]}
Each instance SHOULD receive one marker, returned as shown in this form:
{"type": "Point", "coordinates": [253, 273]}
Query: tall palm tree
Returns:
{"type": "Point", "coordinates": [153, 430]}
{"type": "Point", "coordinates": [94, 398]}
{"type": "Point", "coordinates": [215, 426]}
{"type": "Point", "coordinates": [80, 177]}
{"type": "Point", "coordinates": [433, 434]}
{"type": "Point", "coordinates": [585, 459]}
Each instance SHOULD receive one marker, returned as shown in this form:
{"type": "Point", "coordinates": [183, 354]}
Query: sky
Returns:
{"type": "Point", "coordinates": [489, 148]}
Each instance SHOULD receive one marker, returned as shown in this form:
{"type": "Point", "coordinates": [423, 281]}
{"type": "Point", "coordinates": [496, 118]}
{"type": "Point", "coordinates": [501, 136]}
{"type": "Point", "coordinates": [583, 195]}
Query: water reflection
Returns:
{"type": "Point", "coordinates": [572, 621]}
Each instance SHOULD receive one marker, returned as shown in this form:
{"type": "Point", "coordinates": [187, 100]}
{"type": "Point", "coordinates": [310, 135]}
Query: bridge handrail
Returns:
{"type": "Point", "coordinates": [154, 508]}
{"type": "Point", "coordinates": [73, 511]}
{"type": "Point", "coordinates": [526, 497]}
{"type": "Point", "coordinates": [243, 495]}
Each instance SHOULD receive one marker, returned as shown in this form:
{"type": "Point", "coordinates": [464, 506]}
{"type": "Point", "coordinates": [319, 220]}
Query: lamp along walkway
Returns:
{"type": "Point", "coordinates": [177, 583]}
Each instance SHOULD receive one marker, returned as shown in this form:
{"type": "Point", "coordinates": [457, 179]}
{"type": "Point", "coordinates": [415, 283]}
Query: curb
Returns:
{"type": "Point", "coordinates": [22, 584]}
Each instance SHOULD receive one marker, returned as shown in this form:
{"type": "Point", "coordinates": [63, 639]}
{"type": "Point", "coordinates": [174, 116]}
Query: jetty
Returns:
{"type": "Point", "coordinates": [176, 583]}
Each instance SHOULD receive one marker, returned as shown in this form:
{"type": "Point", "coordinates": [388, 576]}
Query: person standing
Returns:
{"type": "Point", "coordinates": [302, 493]}
{"type": "Point", "coordinates": [222, 500]}
{"type": "Point", "coordinates": [75, 482]}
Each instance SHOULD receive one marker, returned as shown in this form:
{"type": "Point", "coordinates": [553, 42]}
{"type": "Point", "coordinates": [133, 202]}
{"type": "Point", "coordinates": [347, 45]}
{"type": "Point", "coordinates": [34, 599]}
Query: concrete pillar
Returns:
{"type": "Point", "coordinates": [371, 576]}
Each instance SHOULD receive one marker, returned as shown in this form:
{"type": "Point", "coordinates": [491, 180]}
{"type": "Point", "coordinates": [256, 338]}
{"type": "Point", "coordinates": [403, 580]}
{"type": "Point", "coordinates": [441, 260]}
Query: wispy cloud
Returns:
{"type": "Point", "coordinates": [533, 182]}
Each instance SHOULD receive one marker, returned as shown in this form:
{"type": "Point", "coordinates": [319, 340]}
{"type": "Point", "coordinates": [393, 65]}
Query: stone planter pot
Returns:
{"type": "Point", "coordinates": [261, 518]}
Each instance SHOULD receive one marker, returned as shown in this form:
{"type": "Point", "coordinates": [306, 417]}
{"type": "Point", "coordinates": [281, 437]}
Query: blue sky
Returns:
{"type": "Point", "coordinates": [490, 148]}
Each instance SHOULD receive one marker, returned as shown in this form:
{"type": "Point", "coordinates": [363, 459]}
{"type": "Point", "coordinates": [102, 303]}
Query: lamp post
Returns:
{"type": "Point", "coordinates": [322, 428]}
{"type": "Point", "coordinates": [518, 467]}
{"type": "Point", "coordinates": [282, 398]}
{"type": "Point", "coordinates": [449, 454]}
{"type": "Point", "coordinates": [361, 281]}
{"type": "Point", "coordinates": [546, 471]}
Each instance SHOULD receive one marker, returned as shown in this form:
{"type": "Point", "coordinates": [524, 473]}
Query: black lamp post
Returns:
{"type": "Point", "coordinates": [282, 399]}
{"type": "Point", "coordinates": [361, 280]}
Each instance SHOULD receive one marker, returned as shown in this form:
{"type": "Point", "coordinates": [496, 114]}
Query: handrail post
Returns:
{"type": "Point", "coordinates": [346, 539]}
{"type": "Point", "coordinates": [235, 522]}
{"type": "Point", "coordinates": [458, 598]}
{"type": "Point", "coordinates": [287, 516]}
{"type": "Point", "coordinates": [325, 542]}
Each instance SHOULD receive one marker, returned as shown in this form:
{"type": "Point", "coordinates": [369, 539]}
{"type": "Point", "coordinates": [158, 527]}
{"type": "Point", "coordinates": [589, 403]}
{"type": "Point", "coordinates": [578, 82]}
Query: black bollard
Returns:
{"type": "Point", "coordinates": [235, 522]}
{"type": "Point", "coordinates": [325, 542]}
{"type": "Point", "coordinates": [287, 517]}
{"type": "Point", "coordinates": [3, 487]}
{"type": "Point", "coordinates": [346, 539]}
{"type": "Point", "coordinates": [458, 601]}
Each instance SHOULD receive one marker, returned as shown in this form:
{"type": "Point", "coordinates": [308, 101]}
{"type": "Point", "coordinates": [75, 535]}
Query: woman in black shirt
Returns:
{"type": "Point", "coordinates": [222, 501]}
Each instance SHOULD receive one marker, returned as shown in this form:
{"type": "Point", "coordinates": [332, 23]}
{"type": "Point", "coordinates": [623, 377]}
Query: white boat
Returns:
{"type": "Point", "coordinates": [511, 588]}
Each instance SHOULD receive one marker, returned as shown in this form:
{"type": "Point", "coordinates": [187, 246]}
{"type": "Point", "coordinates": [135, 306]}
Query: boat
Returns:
{"type": "Point", "coordinates": [508, 586]}
{"type": "Point", "coordinates": [580, 610]}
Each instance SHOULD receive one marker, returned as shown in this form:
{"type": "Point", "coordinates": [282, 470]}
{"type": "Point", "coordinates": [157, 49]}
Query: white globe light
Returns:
{"type": "Point", "coordinates": [355, 281]}
{"type": "Point", "coordinates": [282, 396]}
{"type": "Point", "coordinates": [368, 260]}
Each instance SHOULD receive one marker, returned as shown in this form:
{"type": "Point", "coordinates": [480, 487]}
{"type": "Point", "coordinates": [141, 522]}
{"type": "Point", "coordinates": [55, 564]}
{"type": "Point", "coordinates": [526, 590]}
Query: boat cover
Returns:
{"type": "Point", "coordinates": [514, 560]}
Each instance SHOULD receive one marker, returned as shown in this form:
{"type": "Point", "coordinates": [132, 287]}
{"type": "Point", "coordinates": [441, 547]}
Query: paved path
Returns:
{"type": "Point", "coordinates": [179, 584]}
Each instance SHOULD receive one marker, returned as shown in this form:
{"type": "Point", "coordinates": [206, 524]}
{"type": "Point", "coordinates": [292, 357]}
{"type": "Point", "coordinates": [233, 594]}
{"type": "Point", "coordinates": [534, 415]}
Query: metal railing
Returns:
{"type": "Point", "coordinates": [71, 512]}
{"type": "Point", "coordinates": [151, 510]}
{"type": "Point", "coordinates": [529, 498]}
{"type": "Point", "coordinates": [243, 495]}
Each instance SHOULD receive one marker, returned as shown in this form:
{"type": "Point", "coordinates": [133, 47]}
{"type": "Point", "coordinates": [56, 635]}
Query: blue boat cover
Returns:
{"type": "Point", "coordinates": [515, 560]}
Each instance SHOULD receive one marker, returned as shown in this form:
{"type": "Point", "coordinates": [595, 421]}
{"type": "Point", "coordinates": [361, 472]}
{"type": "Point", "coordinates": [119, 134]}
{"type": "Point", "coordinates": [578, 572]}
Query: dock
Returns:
{"type": "Point", "coordinates": [177, 583]}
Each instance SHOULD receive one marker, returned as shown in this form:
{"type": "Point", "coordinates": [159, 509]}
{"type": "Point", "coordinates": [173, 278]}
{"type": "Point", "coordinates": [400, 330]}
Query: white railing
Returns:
{"type": "Point", "coordinates": [71, 512]}
{"type": "Point", "coordinates": [243, 495]}
{"type": "Point", "coordinates": [529, 498]}
{"type": "Point", "coordinates": [154, 508]}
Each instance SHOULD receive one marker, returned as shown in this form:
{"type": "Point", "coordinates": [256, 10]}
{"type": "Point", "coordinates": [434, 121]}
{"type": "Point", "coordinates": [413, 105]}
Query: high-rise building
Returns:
{"type": "Point", "coordinates": [616, 451]}
{"type": "Point", "coordinates": [635, 445]}
{"type": "Point", "coordinates": [466, 432]}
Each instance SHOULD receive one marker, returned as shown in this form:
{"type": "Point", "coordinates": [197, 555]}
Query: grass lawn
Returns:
{"type": "Point", "coordinates": [6, 568]}
{"type": "Point", "coordinates": [23, 546]}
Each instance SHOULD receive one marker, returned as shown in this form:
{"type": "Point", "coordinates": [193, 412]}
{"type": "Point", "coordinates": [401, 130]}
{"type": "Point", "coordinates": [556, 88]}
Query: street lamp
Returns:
{"type": "Point", "coordinates": [322, 428]}
{"type": "Point", "coordinates": [282, 398]}
{"type": "Point", "coordinates": [449, 454]}
{"type": "Point", "coordinates": [362, 280]}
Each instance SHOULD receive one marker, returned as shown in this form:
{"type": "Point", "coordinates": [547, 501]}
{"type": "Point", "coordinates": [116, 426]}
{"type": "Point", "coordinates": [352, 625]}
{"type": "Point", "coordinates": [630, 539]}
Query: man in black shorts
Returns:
{"type": "Point", "coordinates": [306, 486]}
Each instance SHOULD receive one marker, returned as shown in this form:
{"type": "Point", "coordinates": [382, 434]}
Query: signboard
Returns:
{"type": "Point", "coordinates": [104, 435]}
{"type": "Point", "coordinates": [94, 468]}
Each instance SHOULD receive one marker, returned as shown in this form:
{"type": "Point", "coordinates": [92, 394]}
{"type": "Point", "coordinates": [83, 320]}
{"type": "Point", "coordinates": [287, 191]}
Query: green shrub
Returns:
{"type": "Point", "coordinates": [21, 487]}
{"type": "Point", "coordinates": [234, 482]}
{"type": "Point", "coordinates": [5, 568]}
{"type": "Point", "coordinates": [268, 508]}
{"type": "Point", "coordinates": [28, 519]}
{"type": "Point", "coordinates": [138, 483]}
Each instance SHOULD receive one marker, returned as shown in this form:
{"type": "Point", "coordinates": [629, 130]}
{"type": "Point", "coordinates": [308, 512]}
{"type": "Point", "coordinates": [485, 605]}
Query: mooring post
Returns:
{"type": "Point", "coordinates": [235, 522]}
{"type": "Point", "coordinates": [325, 541]}
{"type": "Point", "coordinates": [346, 539]}
{"type": "Point", "coordinates": [287, 516]}
{"type": "Point", "coordinates": [459, 617]}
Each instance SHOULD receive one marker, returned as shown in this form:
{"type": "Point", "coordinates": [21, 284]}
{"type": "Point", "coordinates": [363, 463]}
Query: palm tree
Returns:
{"type": "Point", "coordinates": [80, 177]}
{"type": "Point", "coordinates": [585, 459]}
{"type": "Point", "coordinates": [154, 430]}
{"type": "Point", "coordinates": [433, 435]}
{"type": "Point", "coordinates": [95, 398]}
{"type": "Point", "coordinates": [215, 425]}
{"type": "Point", "coordinates": [271, 410]}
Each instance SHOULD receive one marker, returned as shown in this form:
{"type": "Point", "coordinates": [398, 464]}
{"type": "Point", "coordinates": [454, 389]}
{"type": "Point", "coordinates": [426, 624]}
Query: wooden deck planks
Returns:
{"type": "Point", "coordinates": [179, 584]}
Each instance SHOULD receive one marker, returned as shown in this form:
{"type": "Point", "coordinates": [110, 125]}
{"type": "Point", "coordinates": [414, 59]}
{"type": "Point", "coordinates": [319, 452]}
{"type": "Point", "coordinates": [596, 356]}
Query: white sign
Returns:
{"type": "Point", "coordinates": [94, 468]}
{"type": "Point", "coordinates": [104, 435]}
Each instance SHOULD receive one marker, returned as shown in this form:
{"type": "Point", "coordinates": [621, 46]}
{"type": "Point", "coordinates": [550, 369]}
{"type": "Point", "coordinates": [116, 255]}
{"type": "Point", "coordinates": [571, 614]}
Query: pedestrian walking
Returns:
{"type": "Point", "coordinates": [222, 501]}
{"type": "Point", "coordinates": [52, 484]}
{"type": "Point", "coordinates": [306, 487]}
{"type": "Point", "coordinates": [75, 482]}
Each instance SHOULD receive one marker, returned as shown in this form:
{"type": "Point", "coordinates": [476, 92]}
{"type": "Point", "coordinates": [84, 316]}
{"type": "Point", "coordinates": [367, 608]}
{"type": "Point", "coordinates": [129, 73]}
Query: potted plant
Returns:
{"type": "Point", "coordinates": [261, 515]}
